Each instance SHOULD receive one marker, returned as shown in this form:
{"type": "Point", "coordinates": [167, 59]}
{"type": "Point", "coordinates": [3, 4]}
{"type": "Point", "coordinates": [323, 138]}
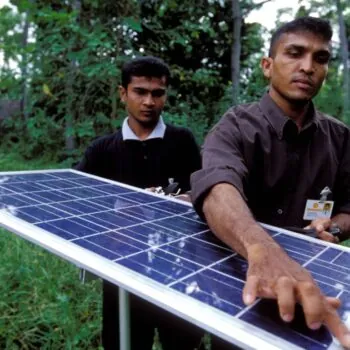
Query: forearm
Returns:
{"type": "Point", "coordinates": [231, 220]}
{"type": "Point", "coordinates": [343, 221]}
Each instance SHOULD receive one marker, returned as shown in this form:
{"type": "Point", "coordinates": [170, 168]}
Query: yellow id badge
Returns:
{"type": "Point", "coordinates": [316, 209]}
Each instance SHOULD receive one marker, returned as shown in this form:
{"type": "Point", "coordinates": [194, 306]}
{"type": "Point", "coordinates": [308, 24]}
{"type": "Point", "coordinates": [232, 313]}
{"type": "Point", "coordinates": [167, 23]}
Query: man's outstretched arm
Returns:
{"type": "Point", "coordinates": [271, 272]}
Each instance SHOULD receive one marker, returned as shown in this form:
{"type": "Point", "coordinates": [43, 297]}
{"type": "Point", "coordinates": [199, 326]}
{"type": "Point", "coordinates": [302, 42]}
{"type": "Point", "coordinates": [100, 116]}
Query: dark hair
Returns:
{"type": "Point", "coordinates": [316, 26]}
{"type": "Point", "coordinates": [146, 66]}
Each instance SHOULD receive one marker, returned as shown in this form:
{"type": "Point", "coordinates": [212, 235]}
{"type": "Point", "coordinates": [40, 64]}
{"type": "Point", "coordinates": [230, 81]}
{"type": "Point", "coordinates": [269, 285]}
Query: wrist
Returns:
{"type": "Point", "coordinates": [255, 236]}
{"type": "Point", "coordinates": [264, 248]}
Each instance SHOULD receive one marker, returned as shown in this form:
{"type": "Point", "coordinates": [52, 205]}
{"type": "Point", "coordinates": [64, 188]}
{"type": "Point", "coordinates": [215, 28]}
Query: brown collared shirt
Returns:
{"type": "Point", "coordinates": [275, 167]}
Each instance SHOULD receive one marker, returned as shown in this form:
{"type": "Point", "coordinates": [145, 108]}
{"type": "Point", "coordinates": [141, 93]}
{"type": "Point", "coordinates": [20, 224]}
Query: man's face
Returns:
{"type": "Point", "coordinates": [144, 99]}
{"type": "Point", "coordinates": [298, 67]}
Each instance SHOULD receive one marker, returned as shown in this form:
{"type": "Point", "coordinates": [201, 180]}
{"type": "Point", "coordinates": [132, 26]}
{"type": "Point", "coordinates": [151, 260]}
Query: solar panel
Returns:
{"type": "Point", "coordinates": [159, 249]}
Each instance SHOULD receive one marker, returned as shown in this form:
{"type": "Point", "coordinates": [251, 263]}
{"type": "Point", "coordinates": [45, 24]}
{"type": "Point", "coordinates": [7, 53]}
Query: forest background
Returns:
{"type": "Point", "coordinates": [59, 74]}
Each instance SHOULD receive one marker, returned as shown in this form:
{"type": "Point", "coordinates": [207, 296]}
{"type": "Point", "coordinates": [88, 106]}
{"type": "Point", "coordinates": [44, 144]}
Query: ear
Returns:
{"type": "Point", "coordinates": [123, 93]}
{"type": "Point", "coordinates": [266, 66]}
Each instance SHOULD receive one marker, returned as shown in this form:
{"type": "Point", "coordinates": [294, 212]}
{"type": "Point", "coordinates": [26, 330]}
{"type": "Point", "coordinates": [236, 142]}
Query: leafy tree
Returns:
{"type": "Point", "coordinates": [339, 75]}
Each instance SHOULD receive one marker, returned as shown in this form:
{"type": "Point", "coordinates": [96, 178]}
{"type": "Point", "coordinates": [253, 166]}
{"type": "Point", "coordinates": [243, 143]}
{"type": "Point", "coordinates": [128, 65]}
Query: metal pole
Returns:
{"type": "Point", "coordinates": [124, 320]}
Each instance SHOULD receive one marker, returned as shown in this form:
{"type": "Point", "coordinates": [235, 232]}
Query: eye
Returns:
{"type": "Point", "coordinates": [294, 53]}
{"type": "Point", "coordinates": [322, 58]}
{"type": "Point", "coordinates": [158, 93]}
{"type": "Point", "coordinates": [140, 92]}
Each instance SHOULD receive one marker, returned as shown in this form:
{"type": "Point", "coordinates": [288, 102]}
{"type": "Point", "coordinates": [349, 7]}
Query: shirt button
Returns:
{"type": "Point", "coordinates": [145, 157]}
{"type": "Point", "coordinates": [279, 211]}
{"type": "Point", "coordinates": [144, 144]}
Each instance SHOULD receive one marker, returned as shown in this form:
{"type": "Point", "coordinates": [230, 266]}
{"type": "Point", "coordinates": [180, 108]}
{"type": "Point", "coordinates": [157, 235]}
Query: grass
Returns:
{"type": "Point", "coordinates": [43, 304]}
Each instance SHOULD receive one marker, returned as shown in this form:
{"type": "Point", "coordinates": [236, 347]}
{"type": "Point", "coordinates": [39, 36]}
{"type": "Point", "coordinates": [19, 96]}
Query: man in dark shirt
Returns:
{"type": "Point", "coordinates": [145, 153]}
{"type": "Point", "coordinates": [264, 160]}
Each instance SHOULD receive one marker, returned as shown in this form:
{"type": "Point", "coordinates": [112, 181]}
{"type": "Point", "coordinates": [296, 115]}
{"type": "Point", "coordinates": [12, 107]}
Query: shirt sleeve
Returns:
{"type": "Point", "coordinates": [222, 161]}
{"type": "Point", "coordinates": [190, 160]}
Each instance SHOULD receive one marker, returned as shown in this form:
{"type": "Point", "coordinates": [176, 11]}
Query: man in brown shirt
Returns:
{"type": "Point", "coordinates": [263, 160]}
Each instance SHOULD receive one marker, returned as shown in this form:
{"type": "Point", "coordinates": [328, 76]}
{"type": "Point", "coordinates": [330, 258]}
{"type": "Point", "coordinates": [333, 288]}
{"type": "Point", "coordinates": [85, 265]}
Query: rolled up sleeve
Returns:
{"type": "Point", "coordinates": [222, 161]}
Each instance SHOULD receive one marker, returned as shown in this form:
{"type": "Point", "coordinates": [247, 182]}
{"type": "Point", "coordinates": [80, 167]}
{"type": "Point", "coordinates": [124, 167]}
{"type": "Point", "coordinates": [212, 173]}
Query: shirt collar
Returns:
{"type": "Point", "coordinates": [278, 119]}
{"type": "Point", "coordinates": [158, 131]}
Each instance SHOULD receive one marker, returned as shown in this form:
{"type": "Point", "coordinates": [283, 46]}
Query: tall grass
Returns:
{"type": "Point", "coordinates": [43, 305]}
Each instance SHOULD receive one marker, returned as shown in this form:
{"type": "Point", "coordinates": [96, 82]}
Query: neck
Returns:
{"type": "Point", "coordinates": [295, 110]}
{"type": "Point", "coordinates": [142, 131]}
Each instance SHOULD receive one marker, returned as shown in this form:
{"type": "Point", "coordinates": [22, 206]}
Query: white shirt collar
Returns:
{"type": "Point", "coordinates": [158, 131]}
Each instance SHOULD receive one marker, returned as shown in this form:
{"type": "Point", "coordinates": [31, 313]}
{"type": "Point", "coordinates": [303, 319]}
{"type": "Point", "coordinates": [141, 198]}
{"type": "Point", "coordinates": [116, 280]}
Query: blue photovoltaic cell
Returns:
{"type": "Point", "coordinates": [151, 234]}
{"type": "Point", "coordinates": [214, 289]}
{"type": "Point", "coordinates": [167, 242]}
{"type": "Point", "coordinates": [197, 251]}
{"type": "Point", "coordinates": [114, 202]}
{"type": "Point", "coordinates": [144, 212]}
{"type": "Point", "coordinates": [79, 207]}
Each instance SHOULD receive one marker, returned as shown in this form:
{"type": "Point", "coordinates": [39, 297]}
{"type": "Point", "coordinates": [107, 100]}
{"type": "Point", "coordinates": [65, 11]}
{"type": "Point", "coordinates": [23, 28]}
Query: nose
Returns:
{"type": "Point", "coordinates": [307, 64]}
{"type": "Point", "coordinates": [148, 100]}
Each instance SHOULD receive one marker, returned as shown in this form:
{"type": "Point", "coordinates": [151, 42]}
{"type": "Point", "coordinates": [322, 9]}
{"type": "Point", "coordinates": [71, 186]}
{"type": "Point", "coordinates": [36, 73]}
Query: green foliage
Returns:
{"type": "Point", "coordinates": [74, 66]}
{"type": "Point", "coordinates": [330, 98]}
{"type": "Point", "coordinates": [32, 138]}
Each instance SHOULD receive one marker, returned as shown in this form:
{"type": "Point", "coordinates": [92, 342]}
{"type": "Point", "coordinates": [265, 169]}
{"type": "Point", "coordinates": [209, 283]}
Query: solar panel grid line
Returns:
{"type": "Point", "coordinates": [199, 254]}
{"type": "Point", "coordinates": [336, 257]}
{"type": "Point", "coordinates": [215, 245]}
{"type": "Point", "coordinates": [315, 257]}
{"type": "Point", "coordinates": [247, 308]}
{"type": "Point", "coordinates": [158, 247]}
{"type": "Point", "coordinates": [203, 268]}
{"type": "Point", "coordinates": [92, 198]}
{"type": "Point", "coordinates": [315, 278]}
{"type": "Point", "coordinates": [92, 213]}
{"type": "Point", "coordinates": [119, 231]}
{"type": "Point", "coordinates": [307, 238]}
{"type": "Point", "coordinates": [157, 224]}
{"type": "Point", "coordinates": [127, 226]}
{"type": "Point", "coordinates": [200, 267]}
{"type": "Point", "coordinates": [191, 310]}
{"type": "Point", "coordinates": [341, 292]}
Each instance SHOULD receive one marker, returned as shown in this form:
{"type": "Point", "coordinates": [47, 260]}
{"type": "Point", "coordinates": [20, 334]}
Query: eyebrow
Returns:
{"type": "Point", "coordinates": [301, 47]}
{"type": "Point", "coordinates": [148, 90]}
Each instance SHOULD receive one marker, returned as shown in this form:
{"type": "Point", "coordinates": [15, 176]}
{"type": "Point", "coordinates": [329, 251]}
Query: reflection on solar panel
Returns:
{"type": "Point", "coordinates": [159, 249]}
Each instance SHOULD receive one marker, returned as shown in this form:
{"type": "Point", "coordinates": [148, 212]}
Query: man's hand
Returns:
{"type": "Point", "coordinates": [184, 197]}
{"type": "Point", "coordinates": [273, 274]}
{"type": "Point", "coordinates": [321, 226]}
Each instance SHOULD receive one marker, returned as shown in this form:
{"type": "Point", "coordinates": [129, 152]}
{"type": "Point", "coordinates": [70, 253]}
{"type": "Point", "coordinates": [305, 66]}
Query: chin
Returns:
{"type": "Point", "coordinates": [300, 98]}
{"type": "Point", "coordinates": [148, 121]}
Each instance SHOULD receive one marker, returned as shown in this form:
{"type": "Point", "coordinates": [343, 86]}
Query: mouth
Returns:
{"type": "Point", "coordinates": [147, 113]}
{"type": "Point", "coordinates": [304, 84]}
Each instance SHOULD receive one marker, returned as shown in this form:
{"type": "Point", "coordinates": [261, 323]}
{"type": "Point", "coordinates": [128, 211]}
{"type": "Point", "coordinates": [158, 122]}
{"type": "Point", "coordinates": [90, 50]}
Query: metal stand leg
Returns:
{"type": "Point", "coordinates": [124, 319]}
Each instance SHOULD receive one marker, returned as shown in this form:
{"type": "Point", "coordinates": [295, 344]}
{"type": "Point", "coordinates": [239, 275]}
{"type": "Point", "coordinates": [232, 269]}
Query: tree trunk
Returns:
{"type": "Point", "coordinates": [345, 60]}
{"type": "Point", "coordinates": [113, 96]}
{"type": "Point", "coordinates": [24, 67]}
{"type": "Point", "coordinates": [70, 111]}
{"type": "Point", "coordinates": [236, 50]}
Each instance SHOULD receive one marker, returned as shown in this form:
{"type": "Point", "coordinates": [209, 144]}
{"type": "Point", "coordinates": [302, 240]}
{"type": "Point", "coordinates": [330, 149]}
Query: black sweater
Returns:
{"type": "Point", "coordinates": [144, 163]}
